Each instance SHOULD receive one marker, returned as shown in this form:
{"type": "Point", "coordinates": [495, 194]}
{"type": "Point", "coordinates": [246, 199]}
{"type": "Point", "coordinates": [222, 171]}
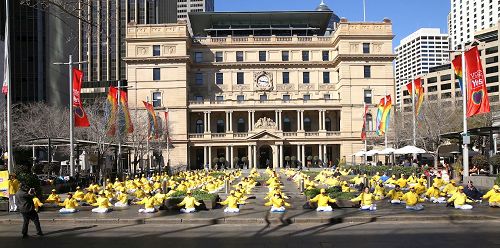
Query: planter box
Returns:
{"type": "Point", "coordinates": [344, 204]}
{"type": "Point", "coordinates": [209, 204]}
{"type": "Point", "coordinates": [4, 206]}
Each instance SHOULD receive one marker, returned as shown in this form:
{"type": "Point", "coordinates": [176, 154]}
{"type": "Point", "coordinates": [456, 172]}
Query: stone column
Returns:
{"type": "Point", "coordinates": [204, 156]}
{"type": "Point", "coordinates": [298, 121]}
{"type": "Point", "coordinates": [282, 158]}
{"type": "Point", "coordinates": [298, 152]}
{"type": "Point", "coordinates": [209, 130]}
{"type": "Point", "coordinates": [249, 156]}
{"type": "Point", "coordinates": [228, 156]}
{"type": "Point", "coordinates": [249, 121]}
{"type": "Point", "coordinates": [304, 155]}
{"type": "Point", "coordinates": [274, 148]}
{"type": "Point", "coordinates": [324, 153]}
{"type": "Point", "coordinates": [320, 152]}
{"type": "Point", "coordinates": [280, 126]}
{"type": "Point", "coordinates": [230, 121]}
{"type": "Point", "coordinates": [210, 156]}
{"type": "Point", "coordinates": [231, 156]}
{"type": "Point", "coordinates": [205, 122]}
{"type": "Point", "coordinates": [302, 120]}
{"type": "Point", "coordinates": [276, 117]}
{"type": "Point", "coordinates": [320, 118]}
{"type": "Point", "coordinates": [323, 121]}
{"type": "Point", "coordinates": [253, 120]}
{"type": "Point", "coordinates": [255, 156]}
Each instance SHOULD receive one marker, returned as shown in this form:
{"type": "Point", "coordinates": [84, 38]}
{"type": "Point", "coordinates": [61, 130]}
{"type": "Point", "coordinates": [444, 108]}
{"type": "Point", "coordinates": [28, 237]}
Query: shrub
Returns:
{"type": "Point", "coordinates": [495, 161]}
{"type": "Point", "coordinates": [480, 161]}
{"type": "Point", "coordinates": [497, 182]}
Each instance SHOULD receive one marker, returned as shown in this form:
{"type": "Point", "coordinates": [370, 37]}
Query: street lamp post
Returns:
{"type": "Point", "coordinates": [119, 162]}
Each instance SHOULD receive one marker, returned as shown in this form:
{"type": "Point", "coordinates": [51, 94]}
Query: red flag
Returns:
{"type": "Point", "coordinates": [363, 132]}
{"type": "Point", "coordinates": [419, 93]}
{"type": "Point", "coordinates": [111, 109]}
{"type": "Point", "coordinates": [153, 124]}
{"type": "Point", "coordinates": [477, 94]}
{"type": "Point", "coordinates": [126, 125]}
{"type": "Point", "coordinates": [81, 119]}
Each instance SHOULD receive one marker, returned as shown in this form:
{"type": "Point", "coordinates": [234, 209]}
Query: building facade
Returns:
{"type": "Point", "coordinates": [470, 16]}
{"type": "Point", "coordinates": [417, 53]}
{"type": "Point", "coordinates": [440, 83]}
{"type": "Point", "coordinates": [186, 6]}
{"type": "Point", "coordinates": [266, 98]}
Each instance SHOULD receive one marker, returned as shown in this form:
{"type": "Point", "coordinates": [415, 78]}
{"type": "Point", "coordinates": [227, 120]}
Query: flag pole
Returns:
{"type": "Point", "coordinates": [364, 10]}
{"type": "Point", "coordinates": [147, 143]}
{"type": "Point", "coordinates": [385, 133]}
{"type": "Point", "coordinates": [414, 112]}
{"type": "Point", "coordinates": [10, 153]}
{"type": "Point", "coordinates": [465, 135]}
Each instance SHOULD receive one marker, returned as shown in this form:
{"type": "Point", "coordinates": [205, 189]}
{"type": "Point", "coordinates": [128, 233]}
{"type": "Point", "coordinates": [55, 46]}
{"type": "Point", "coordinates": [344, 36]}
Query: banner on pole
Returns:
{"type": "Point", "coordinates": [477, 94]}
{"type": "Point", "coordinates": [125, 124]}
{"type": "Point", "coordinates": [111, 110]}
{"type": "Point", "coordinates": [4, 183]}
{"type": "Point", "coordinates": [153, 123]}
{"type": "Point", "coordinates": [457, 67]}
{"type": "Point", "coordinates": [363, 131]}
{"type": "Point", "coordinates": [383, 115]}
{"type": "Point", "coordinates": [419, 94]}
{"type": "Point", "coordinates": [81, 119]}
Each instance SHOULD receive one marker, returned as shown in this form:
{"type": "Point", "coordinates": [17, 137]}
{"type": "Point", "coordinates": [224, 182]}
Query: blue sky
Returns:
{"type": "Point", "coordinates": [407, 15]}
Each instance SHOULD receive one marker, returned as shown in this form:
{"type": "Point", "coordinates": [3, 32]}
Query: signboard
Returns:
{"type": "Point", "coordinates": [4, 184]}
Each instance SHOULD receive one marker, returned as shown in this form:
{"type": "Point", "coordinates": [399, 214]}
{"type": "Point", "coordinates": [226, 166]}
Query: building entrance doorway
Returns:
{"type": "Point", "coordinates": [265, 157]}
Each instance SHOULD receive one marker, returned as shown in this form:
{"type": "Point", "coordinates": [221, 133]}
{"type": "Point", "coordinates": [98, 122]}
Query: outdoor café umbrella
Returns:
{"type": "Point", "coordinates": [409, 150]}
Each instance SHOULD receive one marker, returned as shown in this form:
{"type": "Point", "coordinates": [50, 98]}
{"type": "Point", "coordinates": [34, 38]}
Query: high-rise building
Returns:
{"type": "Point", "coordinates": [186, 6]}
{"type": "Point", "coordinates": [424, 49]}
{"type": "Point", "coordinates": [469, 16]}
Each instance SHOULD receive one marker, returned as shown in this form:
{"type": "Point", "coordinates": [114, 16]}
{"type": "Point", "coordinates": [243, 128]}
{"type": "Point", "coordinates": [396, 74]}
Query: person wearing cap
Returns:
{"type": "Point", "coordinates": [435, 195]}
{"type": "Point", "coordinates": [69, 205]}
{"type": "Point", "coordinates": [412, 199]}
{"type": "Point", "coordinates": [438, 181]}
{"type": "Point", "coordinates": [459, 200]}
{"type": "Point", "coordinates": [103, 205]}
{"type": "Point", "coordinates": [89, 198]}
{"type": "Point", "coordinates": [391, 182]}
{"type": "Point", "coordinates": [420, 188]}
{"type": "Point", "coordinates": [402, 181]}
{"type": "Point", "coordinates": [277, 203]}
{"type": "Point", "coordinates": [395, 195]}
{"type": "Point", "coordinates": [366, 200]}
{"type": "Point", "coordinates": [149, 204]}
{"type": "Point", "coordinates": [189, 203]}
{"type": "Point", "coordinates": [379, 191]}
{"type": "Point", "coordinates": [53, 198]}
{"type": "Point", "coordinates": [14, 186]}
{"type": "Point", "coordinates": [79, 194]}
{"type": "Point", "coordinates": [493, 196]}
{"type": "Point", "coordinates": [323, 201]}
{"type": "Point", "coordinates": [231, 202]}
{"type": "Point", "coordinates": [450, 188]}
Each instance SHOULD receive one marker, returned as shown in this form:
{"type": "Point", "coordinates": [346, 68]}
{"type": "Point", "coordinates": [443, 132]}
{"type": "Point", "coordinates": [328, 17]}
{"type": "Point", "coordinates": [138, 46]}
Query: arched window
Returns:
{"type": "Point", "coordinates": [307, 124]}
{"type": "Point", "coordinates": [328, 124]}
{"type": "Point", "coordinates": [287, 125]}
{"type": "Point", "coordinates": [199, 126]}
{"type": "Point", "coordinates": [220, 126]}
{"type": "Point", "coordinates": [241, 125]}
{"type": "Point", "coordinates": [369, 122]}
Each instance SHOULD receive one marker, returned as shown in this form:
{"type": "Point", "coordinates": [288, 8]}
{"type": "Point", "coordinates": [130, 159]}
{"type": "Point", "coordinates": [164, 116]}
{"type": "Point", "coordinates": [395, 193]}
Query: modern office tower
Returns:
{"type": "Point", "coordinates": [186, 6]}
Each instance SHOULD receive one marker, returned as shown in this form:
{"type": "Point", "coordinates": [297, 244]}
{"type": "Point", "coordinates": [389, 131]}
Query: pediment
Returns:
{"type": "Point", "coordinates": [264, 135]}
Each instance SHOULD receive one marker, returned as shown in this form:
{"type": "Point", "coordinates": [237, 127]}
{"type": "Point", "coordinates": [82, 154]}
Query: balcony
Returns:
{"type": "Point", "coordinates": [312, 134]}
{"type": "Point", "coordinates": [333, 133]}
{"type": "Point", "coordinates": [258, 103]}
{"type": "Point", "coordinates": [263, 40]}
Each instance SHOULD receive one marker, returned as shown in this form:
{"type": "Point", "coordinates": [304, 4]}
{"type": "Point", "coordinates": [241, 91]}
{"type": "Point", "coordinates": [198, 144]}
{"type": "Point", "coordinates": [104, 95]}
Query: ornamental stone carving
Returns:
{"type": "Point", "coordinates": [265, 123]}
{"type": "Point", "coordinates": [263, 81]}
{"type": "Point", "coordinates": [354, 48]}
{"type": "Point", "coordinates": [142, 50]}
{"type": "Point", "coordinates": [169, 50]}
{"type": "Point", "coordinates": [285, 87]}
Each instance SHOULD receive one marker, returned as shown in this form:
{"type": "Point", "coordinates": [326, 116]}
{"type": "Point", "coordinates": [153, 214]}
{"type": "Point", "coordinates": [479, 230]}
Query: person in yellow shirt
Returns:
{"type": "Point", "coordinates": [493, 196]}
{"type": "Point", "coordinates": [38, 204]}
{"type": "Point", "coordinates": [379, 191]}
{"type": "Point", "coordinates": [89, 198]}
{"type": "Point", "coordinates": [412, 199]}
{"type": "Point", "coordinates": [79, 194]}
{"type": "Point", "coordinates": [231, 202]}
{"type": "Point", "coordinates": [459, 200]}
{"type": "Point", "coordinates": [366, 200]}
{"type": "Point", "coordinates": [438, 181]}
{"type": "Point", "coordinates": [189, 203]}
{"type": "Point", "coordinates": [420, 188]}
{"type": "Point", "coordinates": [391, 182]}
{"type": "Point", "coordinates": [402, 182]}
{"type": "Point", "coordinates": [122, 199]}
{"type": "Point", "coordinates": [277, 203]}
{"type": "Point", "coordinates": [13, 188]}
{"type": "Point", "coordinates": [435, 195]}
{"type": "Point", "coordinates": [53, 198]}
{"type": "Point", "coordinates": [149, 204]}
{"type": "Point", "coordinates": [395, 195]}
{"type": "Point", "coordinates": [69, 205]}
{"type": "Point", "coordinates": [323, 201]}
{"type": "Point", "coordinates": [103, 205]}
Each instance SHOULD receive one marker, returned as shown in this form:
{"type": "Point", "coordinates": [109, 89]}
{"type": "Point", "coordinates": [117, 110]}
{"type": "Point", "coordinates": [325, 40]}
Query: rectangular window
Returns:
{"type": "Point", "coordinates": [156, 74]}
{"type": "Point", "coordinates": [366, 48]}
{"type": "Point", "coordinates": [219, 78]}
{"type": "Point", "coordinates": [326, 77]}
{"type": "Point", "coordinates": [239, 56]}
{"type": "Point", "coordinates": [491, 60]}
{"type": "Point", "coordinates": [432, 88]}
{"type": "Point", "coordinates": [445, 86]}
{"type": "Point", "coordinates": [327, 96]}
{"type": "Point", "coordinates": [156, 99]}
{"type": "Point", "coordinates": [198, 57]}
{"type": "Point", "coordinates": [263, 98]}
{"type": "Point", "coordinates": [262, 56]}
{"type": "Point", "coordinates": [493, 69]}
{"type": "Point", "coordinates": [156, 50]}
{"type": "Point", "coordinates": [240, 98]}
{"type": "Point", "coordinates": [285, 56]}
{"type": "Point", "coordinates": [198, 99]}
{"type": "Point", "coordinates": [326, 55]}
{"type": "Point", "coordinates": [305, 77]}
{"type": "Point", "coordinates": [199, 78]}
{"type": "Point", "coordinates": [367, 70]}
{"type": "Point", "coordinates": [219, 98]}
{"type": "Point", "coordinates": [432, 80]}
{"type": "Point", "coordinates": [286, 98]}
{"type": "Point", "coordinates": [307, 97]}
{"type": "Point", "coordinates": [368, 96]}
{"type": "Point", "coordinates": [305, 55]}
{"type": "Point", "coordinates": [286, 77]}
{"type": "Point", "coordinates": [240, 78]}
{"type": "Point", "coordinates": [218, 56]}
{"type": "Point", "coordinates": [446, 77]}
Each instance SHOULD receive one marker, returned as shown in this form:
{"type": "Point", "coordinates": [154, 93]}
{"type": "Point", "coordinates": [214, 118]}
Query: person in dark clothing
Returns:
{"type": "Point", "coordinates": [26, 207]}
{"type": "Point", "coordinates": [472, 192]}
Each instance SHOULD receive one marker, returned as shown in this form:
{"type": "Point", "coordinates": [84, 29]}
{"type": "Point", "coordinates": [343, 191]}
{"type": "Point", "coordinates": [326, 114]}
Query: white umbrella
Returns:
{"type": "Point", "coordinates": [372, 153]}
{"type": "Point", "coordinates": [387, 151]}
{"type": "Point", "coordinates": [409, 150]}
{"type": "Point", "coordinates": [360, 154]}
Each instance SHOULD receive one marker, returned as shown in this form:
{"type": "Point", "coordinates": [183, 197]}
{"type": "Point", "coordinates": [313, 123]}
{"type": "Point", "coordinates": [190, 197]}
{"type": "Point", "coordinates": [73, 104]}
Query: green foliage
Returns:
{"type": "Point", "coordinates": [343, 195]}
{"type": "Point", "coordinates": [495, 161]}
{"type": "Point", "coordinates": [497, 181]}
{"type": "Point", "coordinates": [333, 192]}
{"type": "Point", "coordinates": [287, 158]}
{"type": "Point", "coordinates": [199, 195]}
{"type": "Point", "coordinates": [480, 161]}
{"type": "Point", "coordinates": [309, 158]}
{"type": "Point", "coordinates": [311, 174]}
{"type": "Point", "coordinates": [217, 174]}
{"type": "Point", "coordinates": [389, 170]}
{"type": "Point", "coordinates": [30, 180]}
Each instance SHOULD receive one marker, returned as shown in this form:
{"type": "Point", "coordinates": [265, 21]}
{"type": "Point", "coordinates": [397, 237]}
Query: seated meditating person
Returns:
{"type": "Point", "coordinates": [122, 199]}
{"type": "Point", "coordinates": [412, 199]}
{"type": "Point", "coordinates": [53, 198]}
{"type": "Point", "coordinates": [366, 200]}
{"type": "Point", "coordinates": [231, 202]}
{"type": "Point", "coordinates": [277, 203]}
{"type": "Point", "coordinates": [189, 203]}
{"type": "Point", "coordinates": [149, 204]}
{"type": "Point", "coordinates": [89, 198]}
{"type": "Point", "coordinates": [459, 200]}
{"type": "Point", "coordinates": [435, 195]}
{"type": "Point", "coordinates": [493, 196]}
{"type": "Point", "coordinates": [379, 191]}
{"type": "Point", "coordinates": [69, 205]}
{"type": "Point", "coordinates": [103, 205]}
{"type": "Point", "coordinates": [79, 194]}
{"type": "Point", "coordinates": [450, 188]}
{"type": "Point", "coordinates": [395, 195]}
{"type": "Point", "coordinates": [322, 199]}
{"type": "Point", "coordinates": [391, 182]}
